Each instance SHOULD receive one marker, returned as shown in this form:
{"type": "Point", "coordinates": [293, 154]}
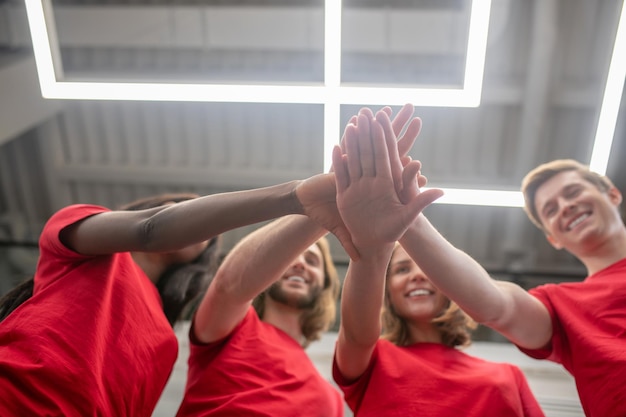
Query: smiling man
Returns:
{"type": "Point", "coordinates": [275, 293]}
{"type": "Point", "coordinates": [581, 325]}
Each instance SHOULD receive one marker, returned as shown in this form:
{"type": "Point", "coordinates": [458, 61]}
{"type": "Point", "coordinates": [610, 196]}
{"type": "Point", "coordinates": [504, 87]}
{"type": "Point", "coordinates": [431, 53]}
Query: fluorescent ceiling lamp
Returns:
{"type": "Point", "coordinates": [611, 101]}
{"type": "Point", "coordinates": [332, 94]}
{"type": "Point", "coordinates": [40, 12]}
{"type": "Point", "coordinates": [491, 198]}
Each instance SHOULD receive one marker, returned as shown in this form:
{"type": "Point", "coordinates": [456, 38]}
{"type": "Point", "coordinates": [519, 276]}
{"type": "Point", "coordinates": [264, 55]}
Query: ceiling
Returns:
{"type": "Point", "coordinates": [545, 70]}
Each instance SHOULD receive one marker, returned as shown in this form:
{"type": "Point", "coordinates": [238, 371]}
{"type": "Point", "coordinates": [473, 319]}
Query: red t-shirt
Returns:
{"type": "Point", "coordinates": [433, 380]}
{"type": "Point", "coordinates": [92, 341]}
{"type": "Point", "coordinates": [257, 370]}
{"type": "Point", "coordinates": [589, 337]}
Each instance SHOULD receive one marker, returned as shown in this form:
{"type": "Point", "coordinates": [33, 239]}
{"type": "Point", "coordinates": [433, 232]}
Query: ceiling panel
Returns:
{"type": "Point", "coordinates": [545, 69]}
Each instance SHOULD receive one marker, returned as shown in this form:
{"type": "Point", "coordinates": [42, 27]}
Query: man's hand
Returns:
{"type": "Point", "coordinates": [366, 184]}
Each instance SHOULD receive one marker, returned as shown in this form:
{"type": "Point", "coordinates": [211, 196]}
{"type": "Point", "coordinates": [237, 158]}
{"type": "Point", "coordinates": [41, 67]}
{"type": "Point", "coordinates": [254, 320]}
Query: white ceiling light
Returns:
{"type": "Point", "coordinates": [41, 22]}
{"type": "Point", "coordinates": [331, 94]}
{"type": "Point", "coordinates": [613, 90]}
{"type": "Point", "coordinates": [492, 198]}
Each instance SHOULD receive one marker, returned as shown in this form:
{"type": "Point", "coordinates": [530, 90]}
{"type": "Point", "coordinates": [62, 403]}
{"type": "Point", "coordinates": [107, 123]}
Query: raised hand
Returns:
{"type": "Point", "coordinates": [367, 199]}
{"type": "Point", "coordinates": [403, 123]}
{"type": "Point", "coordinates": [411, 127]}
{"type": "Point", "coordinates": [317, 196]}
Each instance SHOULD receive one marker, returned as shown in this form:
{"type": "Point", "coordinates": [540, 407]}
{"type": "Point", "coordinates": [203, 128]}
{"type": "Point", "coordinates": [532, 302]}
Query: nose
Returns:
{"type": "Point", "coordinates": [418, 276]}
{"type": "Point", "coordinates": [298, 263]}
{"type": "Point", "coordinates": [566, 206]}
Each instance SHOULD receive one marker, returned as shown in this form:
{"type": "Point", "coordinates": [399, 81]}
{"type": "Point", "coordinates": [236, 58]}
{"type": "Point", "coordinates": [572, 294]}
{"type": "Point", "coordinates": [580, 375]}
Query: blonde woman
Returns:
{"type": "Point", "coordinates": [416, 368]}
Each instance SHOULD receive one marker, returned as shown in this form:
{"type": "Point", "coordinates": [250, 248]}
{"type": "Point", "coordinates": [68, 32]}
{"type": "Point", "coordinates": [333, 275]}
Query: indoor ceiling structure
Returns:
{"type": "Point", "coordinates": [251, 93]}
{"type": "Point", "coordinates": [546, 65]}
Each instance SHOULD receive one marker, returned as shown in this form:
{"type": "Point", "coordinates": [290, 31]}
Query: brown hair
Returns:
{"type": "Point", "coordinates": [322, 315]}
{"type": "Point", "coordinates": [180, 286]}
{"type": "Point", "coordinates": [538, 176]}
{"type": "Point", "coordinates": [453, 324]}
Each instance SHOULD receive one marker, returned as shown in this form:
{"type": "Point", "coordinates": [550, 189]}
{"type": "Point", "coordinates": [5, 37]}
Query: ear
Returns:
{"type": "Point", "coordinates": [555, 243]}
{"type": "Point", "coordinates": [615, 196]}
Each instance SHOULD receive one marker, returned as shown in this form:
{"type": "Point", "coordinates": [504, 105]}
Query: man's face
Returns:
{"type": "Point", "coordinates": [302, 283]}
{"type": "Point", "coordinates": [576, 215]}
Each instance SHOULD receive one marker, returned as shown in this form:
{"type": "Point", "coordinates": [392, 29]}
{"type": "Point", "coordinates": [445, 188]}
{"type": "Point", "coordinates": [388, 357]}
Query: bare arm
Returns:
{"type": "Point", "coordinates": [259, 259]}
{"type": "Point", "coordinates": [373, 212]}
{"type": "Point", "coordinates": [503, 306]}
{"type": "Point", "coordinates": [251, 266]}
{"type": "Point", "coordinates": [179, 225]}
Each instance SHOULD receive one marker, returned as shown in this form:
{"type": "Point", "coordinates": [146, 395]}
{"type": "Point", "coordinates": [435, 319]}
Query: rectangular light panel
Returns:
{"type": "Point", "coordinates": [331, 94]}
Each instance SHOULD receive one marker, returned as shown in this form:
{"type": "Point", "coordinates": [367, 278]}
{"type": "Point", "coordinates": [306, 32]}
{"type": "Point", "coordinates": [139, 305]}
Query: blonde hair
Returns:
{"type": "Point", "coordinates": [322, 315]}
{"type": "Point", "coordinates": [541, 174]}
{"type": "Point", "coordinates": [454, 325]}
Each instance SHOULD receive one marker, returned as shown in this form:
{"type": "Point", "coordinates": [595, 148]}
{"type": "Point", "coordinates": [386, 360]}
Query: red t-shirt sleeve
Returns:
{"type": "Point", "coordinates": [547, 352]}
{"type": "Point", "coordinates": [50, 245]}
{"type": "Point", "coordinates": [354, 390]}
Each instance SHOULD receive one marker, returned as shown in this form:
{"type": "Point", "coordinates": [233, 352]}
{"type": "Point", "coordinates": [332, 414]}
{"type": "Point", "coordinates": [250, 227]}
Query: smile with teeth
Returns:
{"type": "Point", "coordinates": [295, 278]}
{"type": "Point", "coordinates": [577, 221]}
{"type": "Point", "coordinates": [418, 292]}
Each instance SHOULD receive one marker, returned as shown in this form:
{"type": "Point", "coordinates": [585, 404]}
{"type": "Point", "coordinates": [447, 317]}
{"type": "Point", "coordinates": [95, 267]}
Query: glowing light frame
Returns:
{"type": "Point", "coordinates": [331, 94]}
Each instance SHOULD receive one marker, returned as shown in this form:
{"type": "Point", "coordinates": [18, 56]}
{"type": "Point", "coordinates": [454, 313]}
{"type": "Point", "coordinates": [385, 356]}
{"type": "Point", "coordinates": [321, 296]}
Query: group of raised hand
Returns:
{"type": "Point", "coordinates": [378, 190]}
{"type": "Point", "coordinates": [374, 178]}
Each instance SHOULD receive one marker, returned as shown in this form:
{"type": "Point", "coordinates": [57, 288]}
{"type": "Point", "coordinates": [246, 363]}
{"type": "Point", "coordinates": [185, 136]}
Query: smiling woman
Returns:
{"type": "Point", "coordinates": [416, 365]}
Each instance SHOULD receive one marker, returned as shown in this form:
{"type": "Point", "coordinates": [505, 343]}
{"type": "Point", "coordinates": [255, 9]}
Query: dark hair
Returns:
{"type": "Point", "coordinates": [14, 298]}
{"type": "Point", "coordinates": [182, 285]}
{"type": "Point", "coordinates": [179, 286]}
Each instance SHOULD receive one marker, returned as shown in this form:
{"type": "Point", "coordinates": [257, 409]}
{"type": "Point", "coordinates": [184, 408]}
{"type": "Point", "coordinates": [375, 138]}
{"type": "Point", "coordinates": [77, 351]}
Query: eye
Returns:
{"type": "Point", "coordinates": [549, 210]}
{"type": "Point", "coordinates": [313, 260]}
{"type": "Point", "coordinates": [573, 192]}
{"type": "Point", "coordinates": [401, 270]}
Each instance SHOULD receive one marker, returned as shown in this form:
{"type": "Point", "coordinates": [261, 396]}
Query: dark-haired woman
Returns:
{"type": "Point", "coordinates": [95, 337]}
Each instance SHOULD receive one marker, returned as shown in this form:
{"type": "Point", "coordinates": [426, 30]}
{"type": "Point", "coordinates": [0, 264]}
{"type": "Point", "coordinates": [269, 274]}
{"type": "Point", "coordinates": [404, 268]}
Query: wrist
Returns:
{"type": "Point", "coordinates": [375, 253]}
{"type": "Point", "coordinates": [293, 202]}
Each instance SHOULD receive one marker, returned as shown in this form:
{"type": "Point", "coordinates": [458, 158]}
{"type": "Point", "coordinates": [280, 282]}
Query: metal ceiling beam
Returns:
{"type": "Point", "coordinates": [21, 104]}
{"type": "Point", "coordinates": [535, 107]}
{"type": "Point", "coordinates": [232, 178]}
{"type": "Point", "coordinates": [432, 31]}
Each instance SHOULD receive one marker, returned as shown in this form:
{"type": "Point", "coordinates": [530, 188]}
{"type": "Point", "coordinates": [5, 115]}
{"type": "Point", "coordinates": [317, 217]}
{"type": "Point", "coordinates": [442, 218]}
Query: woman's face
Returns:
{"type": "Point", "coordinates": [411, 294]}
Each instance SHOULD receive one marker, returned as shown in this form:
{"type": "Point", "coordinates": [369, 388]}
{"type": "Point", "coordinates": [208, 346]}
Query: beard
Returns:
{"type": "Point", "coordinates": [302, 302]}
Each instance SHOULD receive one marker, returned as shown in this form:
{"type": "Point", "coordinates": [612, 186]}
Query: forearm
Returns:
{"type": "Point", "coordinates": [259, 258]}
{"type": "Point", "coordinates": [454, 272]}
{"type": "Point", "coordinates": [252, 265]}
{"type": "Point", "coordinates": [362, 297]}
{"type": "Point", "coordinates": [361, 301]}
{"type": "Point", "coordinates": [200, 219]}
